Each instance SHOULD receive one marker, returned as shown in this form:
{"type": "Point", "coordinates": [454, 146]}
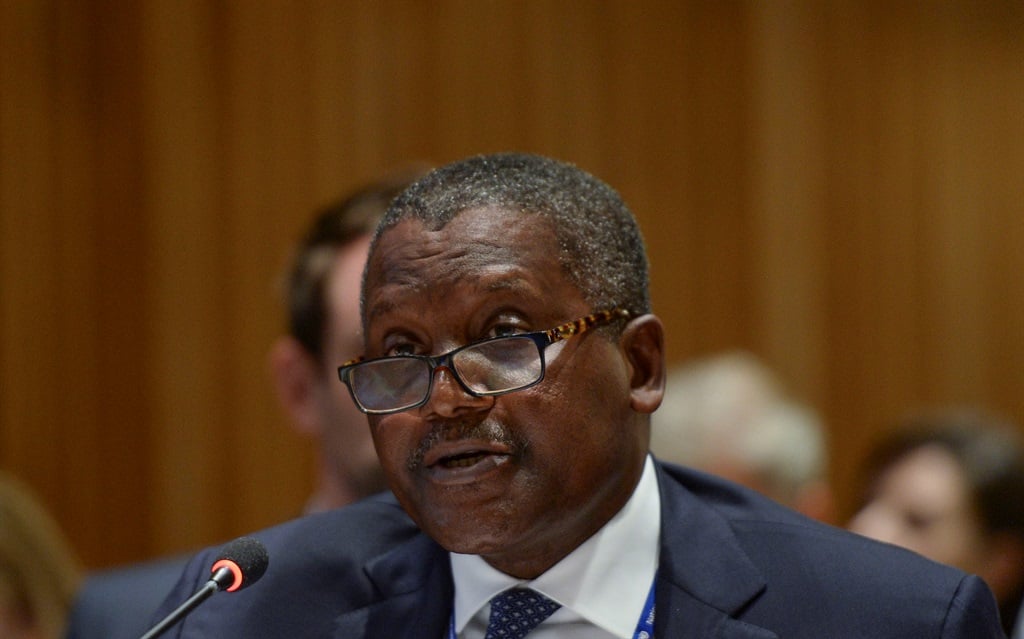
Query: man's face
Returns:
{"type": "Point", "coordinates": [522, 478]}
{"type": "Point", "coordinates": [345, 443]}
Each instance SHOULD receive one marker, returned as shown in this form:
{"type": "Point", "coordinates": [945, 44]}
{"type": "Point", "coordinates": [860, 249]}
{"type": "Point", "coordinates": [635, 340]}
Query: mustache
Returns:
{"type": "Point", "coordinates": [488, 430]}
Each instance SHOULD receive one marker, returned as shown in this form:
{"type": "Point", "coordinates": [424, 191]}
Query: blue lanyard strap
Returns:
{"type": "Point", "coordinates": [644, 627]}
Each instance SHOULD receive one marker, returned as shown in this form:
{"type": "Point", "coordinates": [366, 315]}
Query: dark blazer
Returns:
{"type": "Point", "coordinates": [733, 565]}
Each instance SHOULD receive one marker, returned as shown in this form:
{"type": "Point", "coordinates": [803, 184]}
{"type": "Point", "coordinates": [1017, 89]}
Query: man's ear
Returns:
{"type": "Point", "coordinates": [296, 377]}
{"type": "Point", "coordinates": [643, 342]}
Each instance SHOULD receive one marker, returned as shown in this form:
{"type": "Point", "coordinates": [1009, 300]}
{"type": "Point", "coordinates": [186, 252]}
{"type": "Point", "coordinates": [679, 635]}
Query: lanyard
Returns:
{"type": "Point", "coordinates": [644, 627]}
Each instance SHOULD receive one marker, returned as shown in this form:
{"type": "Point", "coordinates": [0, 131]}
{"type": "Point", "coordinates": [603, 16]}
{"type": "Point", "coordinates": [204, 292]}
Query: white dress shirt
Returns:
{"type": "Point", "coordinates": [602, 586]}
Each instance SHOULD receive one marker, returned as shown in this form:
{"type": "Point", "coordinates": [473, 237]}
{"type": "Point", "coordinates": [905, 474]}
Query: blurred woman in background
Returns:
{"type": "Point", "coordinates": [950, 486]}
{"type": "Point", "coordinates": [38, 572]}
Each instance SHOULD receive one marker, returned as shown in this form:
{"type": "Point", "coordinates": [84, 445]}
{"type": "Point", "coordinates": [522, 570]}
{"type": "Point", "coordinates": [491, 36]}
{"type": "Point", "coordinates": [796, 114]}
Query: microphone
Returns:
{"type": "Point", "coordinates": [240, 564]}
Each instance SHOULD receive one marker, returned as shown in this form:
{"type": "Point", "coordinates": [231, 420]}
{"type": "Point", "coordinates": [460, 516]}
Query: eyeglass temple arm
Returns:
{"type": "Point", "coordinates": [586, 323]}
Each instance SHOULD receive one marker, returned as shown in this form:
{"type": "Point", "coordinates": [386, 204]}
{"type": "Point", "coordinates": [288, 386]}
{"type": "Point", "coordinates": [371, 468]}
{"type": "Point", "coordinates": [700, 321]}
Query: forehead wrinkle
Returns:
{"type": "Point", "coordinates": [447, 265]}
{"type": "Point", "coordinates": [513, 284]}
{"type": "Point", "coordinates": [502, 280]}
{"type": "Point", "coordinates": [392, 266]}
{"type": "Point", "coordinates": [490, 261]}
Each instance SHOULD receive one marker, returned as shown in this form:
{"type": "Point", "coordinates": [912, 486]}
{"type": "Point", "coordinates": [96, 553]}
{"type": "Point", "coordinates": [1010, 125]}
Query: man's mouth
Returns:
{"type": "Point", "coordinates": [463, 460]}
{"type": "Point", "coordinates": [462, 453]}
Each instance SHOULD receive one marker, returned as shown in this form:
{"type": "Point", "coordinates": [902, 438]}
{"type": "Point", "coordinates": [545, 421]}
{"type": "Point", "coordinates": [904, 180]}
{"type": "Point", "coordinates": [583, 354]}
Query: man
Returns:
{"type": "Point", "coordinates": [510, 367]}
{"type": "Point", "coordinates": [322, 297]}
{"type": "Point", "coordinates": [728, 414]}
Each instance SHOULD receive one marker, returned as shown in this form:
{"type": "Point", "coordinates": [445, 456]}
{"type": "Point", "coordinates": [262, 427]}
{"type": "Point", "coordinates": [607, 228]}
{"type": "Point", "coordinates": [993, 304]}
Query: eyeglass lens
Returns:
{"type": "Point", "coordinates": [491, 367]}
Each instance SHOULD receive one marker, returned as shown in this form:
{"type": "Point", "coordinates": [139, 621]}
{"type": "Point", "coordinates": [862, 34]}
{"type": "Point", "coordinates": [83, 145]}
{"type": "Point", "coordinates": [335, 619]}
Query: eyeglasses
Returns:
{"type": "Point", "coordinates": [489, 367]}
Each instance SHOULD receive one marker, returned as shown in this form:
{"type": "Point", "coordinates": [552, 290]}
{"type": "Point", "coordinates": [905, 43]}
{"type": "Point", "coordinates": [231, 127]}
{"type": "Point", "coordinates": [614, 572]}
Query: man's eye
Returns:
{"type": "Point", "coordinates": [504, 330]}
{"type": "Point", "coordinates": [397, 350]}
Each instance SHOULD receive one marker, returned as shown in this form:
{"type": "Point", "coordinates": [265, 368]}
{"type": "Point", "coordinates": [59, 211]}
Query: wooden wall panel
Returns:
{"type": "Point", "coordinates": [908, 232]}
{"type": "Point", "coordinates": [834, 186]}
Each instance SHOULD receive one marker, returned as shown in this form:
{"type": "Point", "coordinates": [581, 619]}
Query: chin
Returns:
{"type": "Point", "coordinates": [466, 534]}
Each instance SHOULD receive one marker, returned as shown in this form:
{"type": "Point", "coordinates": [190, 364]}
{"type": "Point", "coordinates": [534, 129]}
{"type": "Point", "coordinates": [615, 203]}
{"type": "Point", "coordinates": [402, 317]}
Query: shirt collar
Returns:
{"type": "Point", "coordinates": [606, 580]}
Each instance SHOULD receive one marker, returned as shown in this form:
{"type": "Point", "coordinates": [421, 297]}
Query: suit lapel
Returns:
{"type": "Point", "coordinates": [704, 576]}
{"type": "Point", "coordinates": [416, 588]}
{"type": "Point", "coordinates": [679, 615]}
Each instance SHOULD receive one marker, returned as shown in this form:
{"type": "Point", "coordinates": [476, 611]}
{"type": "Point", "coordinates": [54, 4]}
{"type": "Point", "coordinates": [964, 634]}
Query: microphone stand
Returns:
{"type": "Point", "coordinates": [178, 613]}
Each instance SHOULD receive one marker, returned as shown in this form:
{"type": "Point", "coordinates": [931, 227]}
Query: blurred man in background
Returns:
{"type": "Point", "coordinates": [730, 415]}
{"type": "Point", "coordinates": [324, 330]}
{"type": "Point", "coordinates": [321, 291]}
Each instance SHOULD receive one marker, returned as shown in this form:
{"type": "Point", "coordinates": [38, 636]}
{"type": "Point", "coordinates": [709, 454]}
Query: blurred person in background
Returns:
{"type": "Point", "coordinates": [38, 571]}
{"type": "Point", "coordinates": [729, 415]}
{"type": "Point", "coordinates": [321, 294]}
{"type": "Point", "coordinates": [949, 485]}
{"type": "Point", "coordinates": [324, 330]}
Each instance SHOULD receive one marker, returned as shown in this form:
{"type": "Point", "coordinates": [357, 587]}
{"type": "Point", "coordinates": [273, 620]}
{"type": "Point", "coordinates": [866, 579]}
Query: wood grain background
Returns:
{"type": "Point", "coordinates": [835, 186]}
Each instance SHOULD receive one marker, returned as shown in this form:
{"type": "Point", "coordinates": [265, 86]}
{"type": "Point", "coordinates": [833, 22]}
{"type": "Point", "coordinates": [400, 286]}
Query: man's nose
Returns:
{"type": "Point", "coordinates": [448, 398]}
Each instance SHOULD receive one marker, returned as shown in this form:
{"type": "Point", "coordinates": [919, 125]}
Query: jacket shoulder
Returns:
{"type": "Point", "coordinates": [318, 570]}
{"type": "Point", "coordinates": [764, 564]}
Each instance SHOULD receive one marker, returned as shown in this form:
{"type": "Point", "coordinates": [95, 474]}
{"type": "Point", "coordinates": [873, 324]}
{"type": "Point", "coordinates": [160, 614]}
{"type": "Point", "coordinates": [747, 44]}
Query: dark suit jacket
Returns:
{"type": "Point", "coordinates": [732, 565]}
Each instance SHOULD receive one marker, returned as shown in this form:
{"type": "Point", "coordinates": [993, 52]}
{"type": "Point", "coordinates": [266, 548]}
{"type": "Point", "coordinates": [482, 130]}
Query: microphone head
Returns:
{"type": "Point", "coordinates": [245, 559]}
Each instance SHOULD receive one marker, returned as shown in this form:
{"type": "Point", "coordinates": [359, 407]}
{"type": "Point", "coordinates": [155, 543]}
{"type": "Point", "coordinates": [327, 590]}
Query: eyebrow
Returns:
{"type": "Point", "coordinates": [506, 284]}
{"type": "Point", "coordinates": [379, 308]}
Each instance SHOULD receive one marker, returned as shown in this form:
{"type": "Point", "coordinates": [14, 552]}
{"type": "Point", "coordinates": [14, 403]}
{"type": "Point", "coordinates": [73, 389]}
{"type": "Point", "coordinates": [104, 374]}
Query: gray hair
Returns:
{"type": "Point", "coordinates": [731, 408]}
{"type": "Point", "coordinates": [600, 246]}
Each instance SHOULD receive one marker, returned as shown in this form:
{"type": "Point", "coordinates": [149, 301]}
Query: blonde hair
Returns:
{"type": "Point", "coordinates": [39, 574]}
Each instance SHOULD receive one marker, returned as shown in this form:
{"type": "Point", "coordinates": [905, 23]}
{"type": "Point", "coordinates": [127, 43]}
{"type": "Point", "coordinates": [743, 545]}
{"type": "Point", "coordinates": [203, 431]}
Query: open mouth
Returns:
{"type": "Point", "coordinates": [466, 461]}
{"type": "Point", "coordinates": [470, 458]}
{"type": "Point", "coordinates": [463, 463]}
{"type": "Point", "coordinates": [463, 460]}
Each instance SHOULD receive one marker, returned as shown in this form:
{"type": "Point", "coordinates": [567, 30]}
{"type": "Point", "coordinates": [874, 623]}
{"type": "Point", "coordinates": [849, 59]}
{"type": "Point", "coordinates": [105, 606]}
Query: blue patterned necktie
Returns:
{"type": "Point", "coordinates": [516, 612]}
